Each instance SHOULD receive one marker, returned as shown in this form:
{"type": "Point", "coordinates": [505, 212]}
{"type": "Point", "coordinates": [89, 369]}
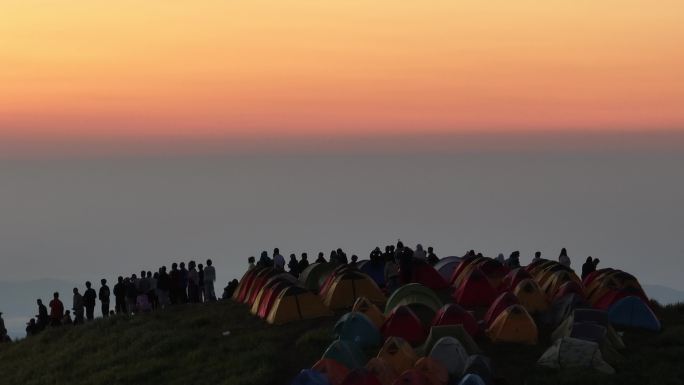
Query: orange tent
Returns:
{"type": "Point", "coordinates": [514, 325]}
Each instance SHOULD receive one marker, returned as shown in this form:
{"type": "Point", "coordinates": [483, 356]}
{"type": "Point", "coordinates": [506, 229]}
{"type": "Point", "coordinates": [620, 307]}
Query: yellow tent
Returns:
{"type": "Point", "coordinates": [398, 354]}
{"type": "Point", "coordinates": [363, 305]}
{"type": "Point", "coordinates": [294, 304]}
{"type": "Point", "coordinates": [555, 280]}
{"type": "Point", "coordinates": [514, 325]}
{"type": "Point", "coordinates": [349, 286]}
{"type": "Point", "coordinates": [531, 297]}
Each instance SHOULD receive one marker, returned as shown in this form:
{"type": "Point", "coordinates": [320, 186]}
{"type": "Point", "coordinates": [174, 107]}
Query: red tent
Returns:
{"type": "Point", "coordinates": [614, 295]}
{"type": "Point", "coordinates": [513, 278]}
{"type": "Point", "coordinates": [453, 314]}
{"type": "Point", "coordinates": [269, 296]}
{"type": "Point", "coordinates": [465, 262]}
{"type": "Point", "coordinates": [501, 303]}
{"type": "Point", "coordinates": [493, 269]}
{"type": "Point", "coordinates": [475, 291]}
{"type": "Point", "coordinates": [404, 323]}
{"type": "Point", "coordinates": [246, 283]}
{"type": "Point", "coordinates": [427, 276]}
{"type": "Point", "coordinates": [259, 281]}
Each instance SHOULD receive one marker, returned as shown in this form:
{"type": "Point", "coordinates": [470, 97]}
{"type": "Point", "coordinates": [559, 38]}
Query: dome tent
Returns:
{"type": "Point", "coordinates": [450, 353]}
{"type": "Point", "coordinates": [632, 312]}
{"type": "Point", "coordinates": [357, 328]}
{"type": "Point", "coordinates": [570, 352]}
{"type": "Point", "coordinates": [514, 325]}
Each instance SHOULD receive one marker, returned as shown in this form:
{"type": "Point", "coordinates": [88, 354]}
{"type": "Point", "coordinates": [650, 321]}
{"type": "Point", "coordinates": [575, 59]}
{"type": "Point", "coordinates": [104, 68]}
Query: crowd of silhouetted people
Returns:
{"type": "Point", "coordinates": [195, 283]}
{"type": "Point", "coordinates": [130, 295]}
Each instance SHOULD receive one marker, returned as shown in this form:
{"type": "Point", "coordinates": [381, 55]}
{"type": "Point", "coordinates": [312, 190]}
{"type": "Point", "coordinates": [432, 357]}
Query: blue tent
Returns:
{"type": "Point", "coordinates": [471, 379]}
{"type": "Point", "coordinates": [375, 270]}
{"type": "Point", "coordinates": [358, 328]}
{"type": "Point", "coordinates": [310, 377]}
{"type": "Point", "coordinates": [634, 313]}
{"type": "Point", "coordinates": [346, 353]}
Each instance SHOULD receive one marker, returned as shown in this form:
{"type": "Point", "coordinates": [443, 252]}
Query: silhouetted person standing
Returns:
{"type": "Point", "coordinates": [589, 267]}
{"type": "Point", "coordinates": [278, 260]}
{"type": "Point", "coordinates": [89, 299]}
{"type": "Point", "coordinates": [43, 317]}
{"type": "Point", "coordinates": [354, 260]}
{"type": "Point", "coordinates": [200, 275]}
{"type": "Point", "coordinates": [513, 261]}
{"type": "Point", "coordinates": [163, 287]}
{"type": "Point", "coordinates": [183, 274]}
{"type": "Point", "coordinates": [193, 283]}
{"type": "Point", "coordinates": [104, 295]}
{"type": "Point", "coordinates": [563, 258]}
{"type": "Point", "coordinates": [209, 279]}
{"type": "Point", "coordinates": [31, 328]}
{"type": "Point", "coordinates": [321, 258]}
{"type": "Point", "coordinates": [131, 293]}
{"type": "Point", "coordinates": [431, 256]}
{"type": "Point", "coordinates": [537, 256]}
{"type": "Point", "coordinates": [174, 280]}
{"type": "Point", "coordinates": [120, 296]}
{"type": "Point", "coordinates": [251, 263]}
{"type": "Point", "coordinates": [303, 263]}
{"type": "Point", "coordinates": [56, 310]}
{"type": "Point", "coordinates": [293, 265]}
{"type": "Point", "coordinates": [3, 330]}
{"type": "Point", "coordinates": [78, 307]}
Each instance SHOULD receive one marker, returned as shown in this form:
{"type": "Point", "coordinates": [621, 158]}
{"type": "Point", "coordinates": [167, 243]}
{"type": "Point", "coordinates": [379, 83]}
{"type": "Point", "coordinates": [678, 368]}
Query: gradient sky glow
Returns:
{"type": "Point", "coordinates": [79, 69]}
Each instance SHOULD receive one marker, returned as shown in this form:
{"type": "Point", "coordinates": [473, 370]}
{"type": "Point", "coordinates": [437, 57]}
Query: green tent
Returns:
{"type": "Point", "coordinates": [314, 275]}
{"type": "Point", "coordinates": [413, 293]}
{"type": "Point", "coordinates": [422, 301]}
{"type": "Point", "coordinates": [456, 331]}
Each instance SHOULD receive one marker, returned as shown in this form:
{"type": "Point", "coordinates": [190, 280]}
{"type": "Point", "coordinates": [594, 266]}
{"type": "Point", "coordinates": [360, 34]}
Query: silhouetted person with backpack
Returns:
{"type": "Point", "coordinates": [104, 295]}
{"type": "Point", "coordinates": [56, 310]}
{"type": "Point", "coordinates": [43, 317]}
{"type": "Point", "coordinates": [89, 299]}
{"type": "Point", "coordinates": [78, 307]}
{"type": "Point", "coordinates": [513, 261]}
{"type": "Point", "coordinates": [209, 279]}
{"type": "Point", "coordinates": [120, 296]}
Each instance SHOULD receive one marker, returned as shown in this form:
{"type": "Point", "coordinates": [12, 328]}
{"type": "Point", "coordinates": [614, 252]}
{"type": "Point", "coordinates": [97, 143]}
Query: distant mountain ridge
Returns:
{"type": "Point", "coordinates": [663, 294]}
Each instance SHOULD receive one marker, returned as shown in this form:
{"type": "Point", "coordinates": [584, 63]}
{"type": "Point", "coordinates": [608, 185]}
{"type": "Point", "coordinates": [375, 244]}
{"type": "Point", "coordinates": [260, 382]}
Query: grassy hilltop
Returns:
{"type": "Point", "coordinates": [185, 345]}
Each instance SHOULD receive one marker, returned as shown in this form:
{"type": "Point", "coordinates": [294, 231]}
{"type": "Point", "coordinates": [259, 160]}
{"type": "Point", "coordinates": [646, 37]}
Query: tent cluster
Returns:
{"type": "Point", "coordinates": [427, 330]}
{"type": "Point", "coordinates": [279, 297]}
{"type": "Point", "coordinates": [447, 354]}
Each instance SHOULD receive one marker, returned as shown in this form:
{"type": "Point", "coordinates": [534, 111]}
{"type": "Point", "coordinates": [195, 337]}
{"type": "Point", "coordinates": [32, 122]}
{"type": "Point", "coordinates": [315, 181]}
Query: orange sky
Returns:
{"type": "Point", "coordinates": [72, 69]}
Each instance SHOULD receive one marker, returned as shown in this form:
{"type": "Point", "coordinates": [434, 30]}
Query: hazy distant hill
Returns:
{"type": "Point", "coordinates": [663, 294]}
{"type": "Point", "coordinates": [18, 300]}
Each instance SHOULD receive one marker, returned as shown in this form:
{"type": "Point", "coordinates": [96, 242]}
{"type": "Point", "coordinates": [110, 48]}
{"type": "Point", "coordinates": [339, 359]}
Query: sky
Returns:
{"type": "Point", "coordinates": [78, 73]}
{"type": "Point", "coordinates": [138, 133]}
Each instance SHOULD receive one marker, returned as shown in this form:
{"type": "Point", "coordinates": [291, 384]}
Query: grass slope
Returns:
{"type": "Point", "coordinates": [184, 345]}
